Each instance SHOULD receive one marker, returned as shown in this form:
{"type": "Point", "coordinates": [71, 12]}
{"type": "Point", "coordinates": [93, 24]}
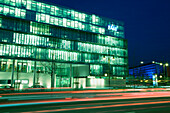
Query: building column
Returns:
{"type": "Point", "coordinates": [35, 65]}
{"type": "Point", "coordinates": [53, 74]}
{"type": "Point", "coordinates": [12, 76]}
{"type": "Point", "coordinates": [71, 77]}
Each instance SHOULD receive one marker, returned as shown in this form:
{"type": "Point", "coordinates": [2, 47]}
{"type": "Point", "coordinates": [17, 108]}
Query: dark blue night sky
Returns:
{"type": "Point", "coordinates": [147, 24]}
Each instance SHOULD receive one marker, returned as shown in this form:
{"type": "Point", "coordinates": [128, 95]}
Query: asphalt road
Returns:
{"type": "Point", "coordinates": [144, 105]}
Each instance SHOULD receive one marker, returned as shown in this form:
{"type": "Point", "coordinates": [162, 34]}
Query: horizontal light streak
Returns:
{"type": "Point", "coordinates": [69, 99]}
{"type": "Point", "coordinates": [84, 91]}
{"type": "Point", "coordinates": [95, 107]}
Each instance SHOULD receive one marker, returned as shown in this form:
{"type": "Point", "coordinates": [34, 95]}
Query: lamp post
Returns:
{"type": "Point", "coordinates": [108, 70]}
{"type": "Point", "coordinates": [38, 72]}
{"type": "Point", "coordinates": [164, 70]}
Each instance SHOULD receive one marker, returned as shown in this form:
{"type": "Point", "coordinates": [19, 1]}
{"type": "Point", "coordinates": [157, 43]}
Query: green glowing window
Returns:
{"type": "Point", "coordinates": [83, 17]}
{"type": "Point", "coordinates": [48, 8]}
{"type": "Point", "coordinates": [65, 12]}
{"type": "Point", "coordinates": [72, 24]}
{"type": "Point", "coordinates": [1, 9]}
{"type": "Point", "coordinates": [52, 10]}
{"type": "Point", "coordinates": [60, 12]}
{"type": "Point", "coordinates": [18, 3]}
{"type": "Point", "coordinates": [76, 24]}
{"type": "Point", "coordinates": [72, 14]}
{"type": "Point", "coordinates": [56, 21]}
{"type": "Point", "coordinates": [38, 6]}
{"type": "Point", "coordinates": [52, 20]}
{"type": "Point", "coordinates": [0, 22]}
{"type": "Point", "coordinates": [64, 22]}
{"type": "Point", "coordinates": [60, 20]}
{"type": "Point", "coordinates": [42, 17]}
{"type": "Point", "coordinates": [6, 10]}
{"type": "Point", "coordinates": [29, 4]}
{"type": "Point", "coordinates": [34, 6]}
{"type": "Point", "coordinates": [80, 25]}
{"type": "Point", "coordinates": [76, 15]}
{"type": "Point", "coordinates": [68, 13]}
{"type": "Point", "coordinates": [68, 23]}
{"type": "Point", "coordinates": [43, 8]}
{"type": "Point", "coordinates": [56, 11]}
{"type": "Point", "coordinates": [96, 69]}
{"type": "Point", "coordinates": [5, 1]}
{"type": "Point", "coordinates": [47, 19]}
{"type": "Point", "coordinates": [24, 3]}
{"type": "Point", "coordinates": [12, 11]}
{"type": "Point", "coordinates": [38, 17]}
{"type": "Point", "coordinates": [12, 2]}
{"type": "Point", "coordinates": [17, 12]}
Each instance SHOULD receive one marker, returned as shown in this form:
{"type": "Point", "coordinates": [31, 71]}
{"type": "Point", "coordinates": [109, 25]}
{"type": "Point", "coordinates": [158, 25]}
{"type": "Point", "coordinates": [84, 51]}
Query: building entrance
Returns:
{"type": "Point", "coordinates": [62, 81]}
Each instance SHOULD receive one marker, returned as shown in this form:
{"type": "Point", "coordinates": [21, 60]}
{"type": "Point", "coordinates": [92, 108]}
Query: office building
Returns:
{"type": "Point", "coordinates": [54, 46]}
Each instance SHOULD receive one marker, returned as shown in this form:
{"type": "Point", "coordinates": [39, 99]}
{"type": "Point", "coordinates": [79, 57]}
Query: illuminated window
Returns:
{"type": "Point", "coordinates": [24, 2]}
{"type": "Point", "coordinates": [68, 23]}
{"type": "Point", "coordinates": [34, 6]}
{"type": "Point", "coordinates": [48, 9]}
{"type": "Point", "coordinates": [42, 18]}
{"type": "Point", "coordinates": [72, 24]}
{"type": "Point", "coordinates": [12, 2]}
{"type": "Point", "coordinates": [76, 15]}
{"type": "Point", "coordinates": [56, 21]}
{"type": "Point", "coordinates": [6, 1]}
{"type": "Point", "coordinates": [52, 20]}
{"type": "Point", "coordinates": [18, 3]}
{"type": "Point", "coordinates": [29, 4]}
{"type": "Point", "coordinates": [23, 13]}
{"type": "Point", "coordinates": [47, 19]}
{"type": "Point", "coordinates": [1, 9]}
{"type": "Point", "coordinates": [38, 6]}
{"type": "Point", "coordinates": [6, 10]}
{"type": "Point", "coordinates": [56, 11]}
{"type": "Point", "coordinates": [12, 11]}
{"type": "Point", "coordinates": [52, 10]}
{"type": "Point", "coordinates": [0, 22]}
{"type": "Point", "coordinates": [64, 22]}
{"type": "Point", "coordinates": [42, 7]}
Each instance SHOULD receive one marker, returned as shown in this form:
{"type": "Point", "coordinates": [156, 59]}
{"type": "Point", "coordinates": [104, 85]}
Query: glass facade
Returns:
{"type": "Point", "coordinates": [34, 31]}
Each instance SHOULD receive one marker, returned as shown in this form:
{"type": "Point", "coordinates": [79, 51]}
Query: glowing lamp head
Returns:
{"type": "Point", "coordinates": [141, 62]}
{"type": "Point", "coordinates": [166, 64]}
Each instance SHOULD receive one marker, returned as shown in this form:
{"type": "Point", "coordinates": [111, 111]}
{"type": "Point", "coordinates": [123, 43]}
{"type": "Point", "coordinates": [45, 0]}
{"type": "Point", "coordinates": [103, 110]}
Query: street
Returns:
{"type": "Point", "coordinates": [110, 101]}
{"type": "Point", "coordinates": [149, 105]}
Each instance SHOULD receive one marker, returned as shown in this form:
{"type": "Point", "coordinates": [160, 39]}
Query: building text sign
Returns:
{"type": "Point", "coordinates": [112, 27]}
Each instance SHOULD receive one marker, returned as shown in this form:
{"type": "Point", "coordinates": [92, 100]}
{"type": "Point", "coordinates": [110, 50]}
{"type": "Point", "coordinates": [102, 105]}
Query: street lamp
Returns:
{"type": "Point", "coordinates": [161, 64]}
{"type": "Point", "coordinates": [166, 64]}
{"type": "Point", "coordinates": [164, 69]}
{"type": "Point", "coordinates": [38, 72]}
{"type": "Point", "coordinates": [108, 73]}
